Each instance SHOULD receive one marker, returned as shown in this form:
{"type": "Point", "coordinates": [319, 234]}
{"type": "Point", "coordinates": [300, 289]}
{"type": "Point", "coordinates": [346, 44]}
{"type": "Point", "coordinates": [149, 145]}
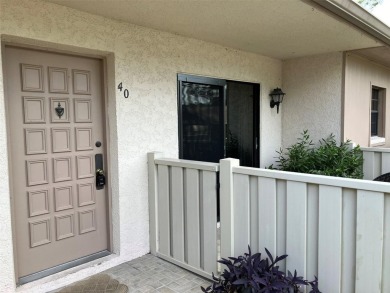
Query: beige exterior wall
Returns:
{"type": "Point", "coordinates": [360, 75]}
{"type": "Point", "coordinates": [313, 87]}
{"type": "Point", "coordinates": [146, 62]}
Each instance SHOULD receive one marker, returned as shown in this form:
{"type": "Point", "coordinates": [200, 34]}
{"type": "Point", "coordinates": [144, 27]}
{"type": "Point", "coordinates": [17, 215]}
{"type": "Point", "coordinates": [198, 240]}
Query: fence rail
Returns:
{"type": "Point", "coordinates": [376, 162]}
{"type": "Point", "coordinates": [337, 229]}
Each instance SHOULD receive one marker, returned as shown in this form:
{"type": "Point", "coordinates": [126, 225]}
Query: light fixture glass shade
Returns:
{"type": "Point", "coordinates": [277, 96]}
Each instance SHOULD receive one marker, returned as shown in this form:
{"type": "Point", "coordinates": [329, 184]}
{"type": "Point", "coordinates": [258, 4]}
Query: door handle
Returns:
{"type": "Point", "coordinates": [100, 176]}
{"type": "Point", "coordinates": [100, 179]}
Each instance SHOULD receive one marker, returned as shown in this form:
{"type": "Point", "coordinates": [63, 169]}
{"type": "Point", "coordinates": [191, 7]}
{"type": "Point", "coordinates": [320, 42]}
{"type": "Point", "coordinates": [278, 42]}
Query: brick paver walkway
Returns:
{"type": "Point", "coordinates": [151, 274]}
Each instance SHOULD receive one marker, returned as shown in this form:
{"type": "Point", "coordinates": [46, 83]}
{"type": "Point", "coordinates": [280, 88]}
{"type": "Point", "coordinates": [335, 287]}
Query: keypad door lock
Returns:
{"type": "Point", "coordinates": [100, 179]}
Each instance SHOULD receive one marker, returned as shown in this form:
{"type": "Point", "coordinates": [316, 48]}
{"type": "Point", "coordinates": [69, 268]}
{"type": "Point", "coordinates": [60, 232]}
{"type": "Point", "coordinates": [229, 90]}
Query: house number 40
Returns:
{"type": "Point", "coordinates": [125, 92]}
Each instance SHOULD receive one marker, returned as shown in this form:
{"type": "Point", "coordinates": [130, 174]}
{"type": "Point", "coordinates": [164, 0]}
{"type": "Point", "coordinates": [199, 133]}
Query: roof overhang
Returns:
{"type": "Point", "coordinates": [280, 29]}
{"type": "Point", "coordinates": [354, 14]}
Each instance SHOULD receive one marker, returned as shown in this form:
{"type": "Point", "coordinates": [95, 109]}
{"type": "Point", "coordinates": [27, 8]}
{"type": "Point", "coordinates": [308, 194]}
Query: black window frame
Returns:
{"type": "Point", "coordinates": [377, 116]}
{"type": "Point", "coordinates": [375, 112]}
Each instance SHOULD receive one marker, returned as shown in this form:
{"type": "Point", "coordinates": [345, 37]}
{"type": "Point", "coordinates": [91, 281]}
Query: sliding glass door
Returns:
{"type": "Point", "coordinates": [218, 119]}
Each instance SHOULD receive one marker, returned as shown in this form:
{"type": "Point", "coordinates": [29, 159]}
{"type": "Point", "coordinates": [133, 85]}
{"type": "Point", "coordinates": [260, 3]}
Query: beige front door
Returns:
{"type": "Point", "coordinates": [56, 119]}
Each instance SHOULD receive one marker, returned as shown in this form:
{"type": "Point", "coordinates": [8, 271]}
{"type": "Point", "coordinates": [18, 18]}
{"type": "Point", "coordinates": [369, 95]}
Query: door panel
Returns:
{"type": "Point", "coordinates": [202, 121]}
{"type": "Point", "coordinates": [242, 123]}
{"type": "Point", "coordinates": [55, 116]}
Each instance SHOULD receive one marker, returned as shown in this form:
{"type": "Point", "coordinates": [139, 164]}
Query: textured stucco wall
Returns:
{"type": "Point", "coordinates": [146, 62]}
{"type": "Point", "coordinates": [360, 75]}
{"type": "Point", "coordinates": [314, 97]}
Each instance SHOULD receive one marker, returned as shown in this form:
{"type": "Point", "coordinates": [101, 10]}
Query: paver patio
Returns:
{"type": "Point", "coordinates": [150, 274]}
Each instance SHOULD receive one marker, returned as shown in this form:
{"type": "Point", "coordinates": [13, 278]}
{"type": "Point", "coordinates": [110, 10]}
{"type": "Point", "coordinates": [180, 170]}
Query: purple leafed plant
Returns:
{"type": "Point", "coordinates": [250, 273]}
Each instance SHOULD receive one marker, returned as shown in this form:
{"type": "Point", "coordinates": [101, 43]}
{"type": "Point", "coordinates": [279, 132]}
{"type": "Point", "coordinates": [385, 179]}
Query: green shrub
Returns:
{"type": "Point", "coordinates": [328, 158]}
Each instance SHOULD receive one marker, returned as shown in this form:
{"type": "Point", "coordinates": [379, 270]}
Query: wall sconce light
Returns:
{"type": "Point", "coordinates": [277, 96]}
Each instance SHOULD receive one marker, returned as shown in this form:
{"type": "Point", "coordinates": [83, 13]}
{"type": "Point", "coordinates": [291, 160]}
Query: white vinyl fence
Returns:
{"type": "Point", "coordinates": [183, 212]}
{"type": "Point", "coordinates": [337, 229]}
{"type": "Point", "coordinates": [376, 162]}
{"type": "Point", "coordinates": [334, 228]}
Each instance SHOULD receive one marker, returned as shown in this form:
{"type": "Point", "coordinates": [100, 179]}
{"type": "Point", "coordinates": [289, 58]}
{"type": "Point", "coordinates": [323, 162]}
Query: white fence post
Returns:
{"type": "Point", "coordinates": [351, 145]}
{"type": "Point", "coordinates": [226, 206]}
{"type": "Point", "coordinates": [152, 191]}
{"type": "Point", "coordinates": [369, 166]}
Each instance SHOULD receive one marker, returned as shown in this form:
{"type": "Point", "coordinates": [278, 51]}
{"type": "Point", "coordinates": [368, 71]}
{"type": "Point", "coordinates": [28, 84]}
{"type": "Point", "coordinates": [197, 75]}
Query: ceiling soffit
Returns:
{"type": "Point", "coordinates": [379, 55]}
{"type": "Point", "coordinates": [280, 29]}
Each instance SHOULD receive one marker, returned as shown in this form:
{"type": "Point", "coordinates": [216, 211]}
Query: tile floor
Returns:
{"type": "Point", "coordinates": [152, 274]}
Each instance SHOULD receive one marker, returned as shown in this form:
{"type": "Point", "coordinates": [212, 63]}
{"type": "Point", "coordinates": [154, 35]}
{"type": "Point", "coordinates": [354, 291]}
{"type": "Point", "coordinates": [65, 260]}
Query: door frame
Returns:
{"type": "Point", "coordinates": [108, 95]}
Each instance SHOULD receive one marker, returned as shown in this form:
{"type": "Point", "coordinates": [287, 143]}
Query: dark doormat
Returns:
{"type": "Point", "coordinates": [100, 283]}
